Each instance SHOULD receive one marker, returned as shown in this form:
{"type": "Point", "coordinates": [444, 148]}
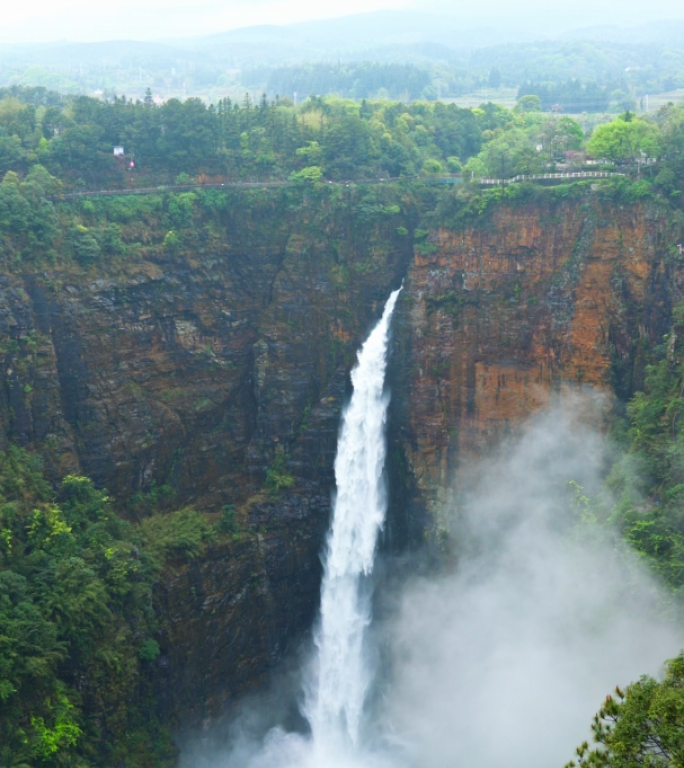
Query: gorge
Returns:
{"type": "Point", "coordinates": [212, 372]}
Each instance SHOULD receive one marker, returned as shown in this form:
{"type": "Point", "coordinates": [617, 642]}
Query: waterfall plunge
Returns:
{"type": "Point", "coordinates": [341, 677]}
{"type": "Point", "coordinates": [520, 617]}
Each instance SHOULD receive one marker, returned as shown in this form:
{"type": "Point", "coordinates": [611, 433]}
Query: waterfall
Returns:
{"type": "Point", "coordinates": [341, 676]}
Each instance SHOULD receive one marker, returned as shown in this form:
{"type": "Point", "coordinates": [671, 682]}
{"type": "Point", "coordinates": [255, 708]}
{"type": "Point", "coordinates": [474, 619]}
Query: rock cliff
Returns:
{"type": "Point", "coordinates": [184, 377]}
{"type": "Point", "coordinates": [515, 311]}
{"type": "Point", "coordinates": [214, 375]}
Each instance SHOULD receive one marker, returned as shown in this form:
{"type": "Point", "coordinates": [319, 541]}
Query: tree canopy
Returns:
{"type": "Point", "coordinates": [626, 138]}
{"type": "Point", "coordinates": [236, 141]}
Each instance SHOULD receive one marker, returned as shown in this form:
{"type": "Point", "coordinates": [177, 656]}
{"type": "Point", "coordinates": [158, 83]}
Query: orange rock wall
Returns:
{"type": "Point", "coordinates": [503, 318]}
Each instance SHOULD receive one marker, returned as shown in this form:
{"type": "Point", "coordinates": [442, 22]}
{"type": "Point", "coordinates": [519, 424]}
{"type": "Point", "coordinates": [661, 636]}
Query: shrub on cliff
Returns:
{"type": "Point", "coordinates": [178, 534]}
{"type": "Point", "coordinates": [277, 476]}
{"type": "Point", "coordinates": [84, 247]}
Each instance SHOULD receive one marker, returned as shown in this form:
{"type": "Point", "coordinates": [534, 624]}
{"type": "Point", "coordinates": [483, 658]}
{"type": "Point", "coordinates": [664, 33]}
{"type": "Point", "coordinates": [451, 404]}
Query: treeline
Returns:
{"type": "Point", "coordinates": [569, 96]}
{"type": "Point", "coordinates": [74, 139]}
{"type": "Point", "coordinates": [362, 80]}
{"type": "Point", "coordinates": [333, 138]}
{"type": "Point", "coordinates": [637, 68]}
{"type": "Point", "coordinates": [35, 96]}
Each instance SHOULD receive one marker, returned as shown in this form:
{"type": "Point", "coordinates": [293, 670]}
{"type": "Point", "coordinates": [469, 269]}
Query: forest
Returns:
{"type": "Point", "coordinates": [329, 138]}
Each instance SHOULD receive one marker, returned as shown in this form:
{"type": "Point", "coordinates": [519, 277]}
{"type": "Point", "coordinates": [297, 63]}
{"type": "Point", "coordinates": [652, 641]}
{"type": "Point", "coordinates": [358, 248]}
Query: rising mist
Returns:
{"type": "Point", "coordinates": [503, 658]}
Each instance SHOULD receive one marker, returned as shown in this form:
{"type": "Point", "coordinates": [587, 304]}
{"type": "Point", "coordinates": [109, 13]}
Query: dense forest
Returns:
{"type": "Point", "coordinates": [332, 138]}
{"type": "Point", "coordinates": [74, 139]}
{"type": "Point", "coordinates": [638, 68]}
{"type": "Point", "coordinates": [356, 81]}
{"type": "Point", "coordinates": [578, 76]}
{"type": "Point", "coordinates": [75, 579]}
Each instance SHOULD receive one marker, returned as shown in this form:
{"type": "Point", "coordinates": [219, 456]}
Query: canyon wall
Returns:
{"type": "Point", "coordinates": [516, 312]}
{"type": "Point", "coordinates": [215, 374]}
{"type": "Point", "coordinates": [184, 377]}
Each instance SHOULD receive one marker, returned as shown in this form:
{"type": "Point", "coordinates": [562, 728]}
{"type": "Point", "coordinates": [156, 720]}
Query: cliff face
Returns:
{"type": "Point", "coordinates": [182, 378]}
{"type": "Point", "coordinates": [505, 317]}
{"type": "Point", "coordinates": [215, 374]}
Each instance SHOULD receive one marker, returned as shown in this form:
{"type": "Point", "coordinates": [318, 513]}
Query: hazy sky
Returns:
{"type": "Point", "coordinates": [43, 20]}
{"type": "Point", "coordinates": [85, 20]}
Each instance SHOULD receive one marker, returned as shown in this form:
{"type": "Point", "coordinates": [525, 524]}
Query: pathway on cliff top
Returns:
{"type": "Point", "coordinates": [453, 179]}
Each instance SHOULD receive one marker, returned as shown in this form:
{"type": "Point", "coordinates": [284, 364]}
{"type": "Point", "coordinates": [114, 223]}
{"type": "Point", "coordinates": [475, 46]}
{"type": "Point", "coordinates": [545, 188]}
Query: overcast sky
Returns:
{"type": "Point", "coordinates": [91, 20]}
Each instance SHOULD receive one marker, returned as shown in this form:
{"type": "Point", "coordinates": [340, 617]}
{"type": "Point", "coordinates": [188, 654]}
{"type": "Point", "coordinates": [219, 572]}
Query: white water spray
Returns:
{"type": "Point", "coordinates": [341, 678]}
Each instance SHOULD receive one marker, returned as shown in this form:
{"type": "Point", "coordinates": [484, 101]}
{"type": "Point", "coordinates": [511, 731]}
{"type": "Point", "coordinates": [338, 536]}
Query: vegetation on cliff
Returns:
{"type": "Point", "coordinates": [644, 502]}
{"type": "Point", "coordinates": [644, 493]}
{"type": "Point", "coordinates": [75, 590]}
{"type": "Point", "coordinates": [239, 236]}
{"type": "Point", "coordinates": [77, 623]}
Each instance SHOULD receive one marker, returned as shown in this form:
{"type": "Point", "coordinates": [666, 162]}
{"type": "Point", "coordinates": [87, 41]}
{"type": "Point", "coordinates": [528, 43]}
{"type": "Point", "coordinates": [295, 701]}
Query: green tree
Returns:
{"type": "Point", "coordinates": [188, 138]}
{"type": "Point", "coordinates": [640, 726]}
{"type": "Point", "coordinates": [28, 221]}
{"type": "Point", "coordinates": [432, 167]}
{"type": "Point", "coordinates": [12, 154]}
{"type": "Point", "coordinates": [671, 175]}
{"type": "Point", "coordinates": [508, 153]}
{"type": "Point", "coordinates": [84, 246]}
{"type": "Point", "coordinates": [494, 80]}
{"type": "Point", "coordinates": [624, 139]}
{"type": "Point", "coordinates": [529, 103]}
{"type": "Point", "coordinates": [348, 148]}
{"type": "Point", "coordinates": [557, 135]}
{"type": "Point", "coordinates": [310, 174]}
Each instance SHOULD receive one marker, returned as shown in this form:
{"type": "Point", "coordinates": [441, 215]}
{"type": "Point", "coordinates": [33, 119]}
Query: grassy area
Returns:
{"type": "Point", "coordinates": [506, 97]}
{"type": "Point", "coordinates": [658, 100]}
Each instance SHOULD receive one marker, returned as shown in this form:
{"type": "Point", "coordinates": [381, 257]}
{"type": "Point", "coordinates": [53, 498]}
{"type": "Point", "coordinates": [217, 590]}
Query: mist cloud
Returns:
{"type": "Point", "coordinates": [503, 659]}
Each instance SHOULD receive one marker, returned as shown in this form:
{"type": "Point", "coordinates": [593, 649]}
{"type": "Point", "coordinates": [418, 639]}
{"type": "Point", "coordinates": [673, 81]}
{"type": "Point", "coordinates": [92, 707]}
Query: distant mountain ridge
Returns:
{"type": "Point", "coordinates": [666, 32]}
{"type": "Point", "coordinates": [378, 35]}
